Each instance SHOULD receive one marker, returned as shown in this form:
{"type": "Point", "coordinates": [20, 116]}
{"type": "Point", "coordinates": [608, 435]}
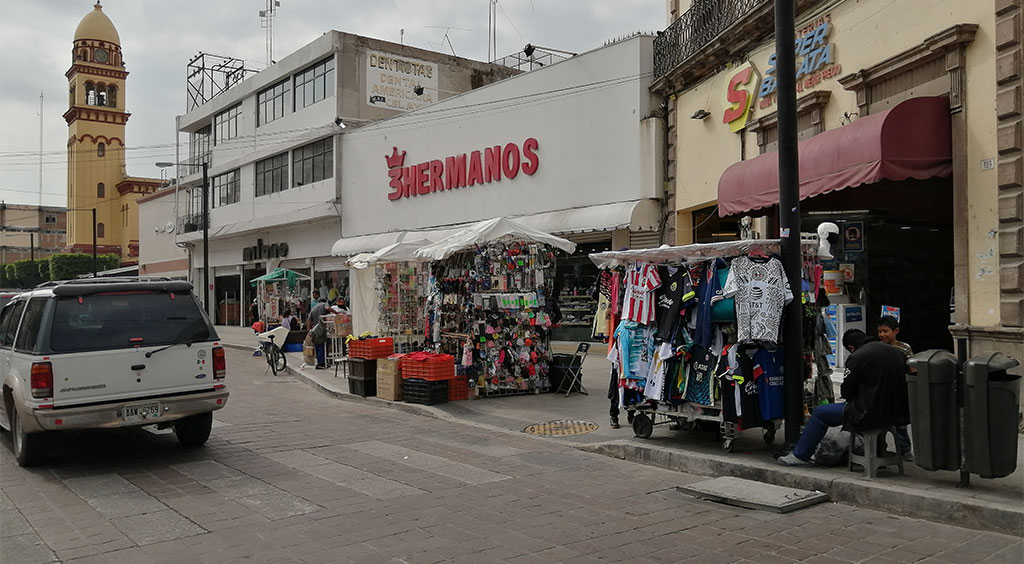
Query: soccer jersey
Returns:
{"type": "Point", "coordinates": [636, 347]}
{"type": "Point", "coordinates": [641, 281]}
{"type": "Point", "coordinates": [761, 291]}
{"type": "Point", "coordinates": [700, 376]}
{"type": "Point", "coordinates": [771, 393]}
{"type": "Point", "coordinates": [706, 292]}
{"type": "Point", "coordinates": [674, 291]}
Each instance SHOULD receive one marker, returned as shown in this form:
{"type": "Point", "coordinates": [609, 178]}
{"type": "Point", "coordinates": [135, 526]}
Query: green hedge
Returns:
{"type": "Point", "coordinates": [23, 274]}
{"type": "Point", "coordinates": [67, 266]}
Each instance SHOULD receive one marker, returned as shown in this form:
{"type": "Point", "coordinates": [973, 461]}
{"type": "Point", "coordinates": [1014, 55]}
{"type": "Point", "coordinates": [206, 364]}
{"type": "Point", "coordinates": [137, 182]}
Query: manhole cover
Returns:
{"type": "Point", "coordinates": [561, 428]}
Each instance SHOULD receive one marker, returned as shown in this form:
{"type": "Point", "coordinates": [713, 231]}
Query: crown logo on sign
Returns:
{"type": "Point", "coordinates": [396, 159]}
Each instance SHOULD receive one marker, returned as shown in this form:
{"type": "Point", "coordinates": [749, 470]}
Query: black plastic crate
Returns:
{"type": "Point", "coordinates": [362, 369]}
{"type": "Point", "coordinates": [424, 392]}
{"type": "Point", "coordinates": [362, 387]}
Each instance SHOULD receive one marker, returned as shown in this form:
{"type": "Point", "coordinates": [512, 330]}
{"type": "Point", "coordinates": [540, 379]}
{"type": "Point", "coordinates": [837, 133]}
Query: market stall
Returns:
{"type": "Point", "coordinates": [490, 304]}
{"type": "Point", "coordinates": [696, 334]}
{"type": "Point", "coordinates": [278, 291]}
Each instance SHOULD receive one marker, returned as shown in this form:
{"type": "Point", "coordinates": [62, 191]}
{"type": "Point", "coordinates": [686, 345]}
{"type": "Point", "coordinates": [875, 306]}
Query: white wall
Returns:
{"type": "Point", "coordinates": [585, 112]}
{"type": "Point", "coordinates": [156, 243]}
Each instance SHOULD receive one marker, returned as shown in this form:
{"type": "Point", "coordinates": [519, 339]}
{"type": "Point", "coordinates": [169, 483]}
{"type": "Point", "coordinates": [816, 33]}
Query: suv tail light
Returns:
{"type": "Point", "coordinates": [219, 364]}
{"type": "Point", "coordinates": [42, 380]}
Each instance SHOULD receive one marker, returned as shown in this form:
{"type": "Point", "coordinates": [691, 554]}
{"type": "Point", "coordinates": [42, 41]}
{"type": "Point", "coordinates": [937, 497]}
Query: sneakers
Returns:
{"type": "Point", "coordinates": [614, 423]}
{"type": "Point", "coordinates": [791, 460]}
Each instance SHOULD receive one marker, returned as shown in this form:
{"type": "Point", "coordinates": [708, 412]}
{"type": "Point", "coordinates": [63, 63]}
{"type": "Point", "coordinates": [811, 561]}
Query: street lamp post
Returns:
{"type": "Point", "coordinates": [94, 261]}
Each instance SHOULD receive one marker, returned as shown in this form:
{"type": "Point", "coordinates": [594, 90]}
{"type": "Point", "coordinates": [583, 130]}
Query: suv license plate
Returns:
{"type": "Point", "coordinates": [141, 411]}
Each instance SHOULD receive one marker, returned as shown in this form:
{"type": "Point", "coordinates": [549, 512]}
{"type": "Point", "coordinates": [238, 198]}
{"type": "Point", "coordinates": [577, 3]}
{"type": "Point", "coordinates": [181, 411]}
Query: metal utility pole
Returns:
{"type": "Point", "coordinates": [789, 216]}
{"type": "Point", "coordinates": [40, 149]}
{"type": "Point", "coordinates": [94, 243]}
{"type": "Point", "coordinates": [206, 237]}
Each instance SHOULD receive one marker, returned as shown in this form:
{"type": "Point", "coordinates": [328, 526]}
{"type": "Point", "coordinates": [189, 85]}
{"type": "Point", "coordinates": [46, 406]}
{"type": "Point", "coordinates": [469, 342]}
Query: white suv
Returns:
{"type": "Point", "coordinates": [106, 353]}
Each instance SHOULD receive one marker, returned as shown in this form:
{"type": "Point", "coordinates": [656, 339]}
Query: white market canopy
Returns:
{"type": "Point", "coordinates": [401, 251]}
{"type": "Point", "coordinates": [696, 251]}
{"type": "Point", "coordinates": [488, 231]}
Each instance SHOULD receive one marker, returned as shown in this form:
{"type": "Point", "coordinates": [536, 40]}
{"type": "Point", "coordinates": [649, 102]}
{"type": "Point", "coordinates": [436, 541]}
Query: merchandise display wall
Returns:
{"type": "Point", "coordinates": [491, 308]}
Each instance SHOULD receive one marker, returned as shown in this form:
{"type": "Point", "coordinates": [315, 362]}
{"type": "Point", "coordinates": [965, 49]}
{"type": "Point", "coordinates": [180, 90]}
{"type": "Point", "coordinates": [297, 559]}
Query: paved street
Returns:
{"type": "Point", "coordinates": [292, 475]}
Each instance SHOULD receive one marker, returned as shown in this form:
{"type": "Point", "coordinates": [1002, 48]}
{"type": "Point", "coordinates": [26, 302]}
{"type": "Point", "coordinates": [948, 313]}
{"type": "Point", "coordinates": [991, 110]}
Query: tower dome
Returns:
{"type": "Point", "coordinates": [97, 26]}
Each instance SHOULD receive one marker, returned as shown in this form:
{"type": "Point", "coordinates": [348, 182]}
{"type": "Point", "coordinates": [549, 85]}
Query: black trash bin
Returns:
{"type": "Point", "coordinates": [991, 408]}
{"type": "Point", "coordinates": [934, 416]}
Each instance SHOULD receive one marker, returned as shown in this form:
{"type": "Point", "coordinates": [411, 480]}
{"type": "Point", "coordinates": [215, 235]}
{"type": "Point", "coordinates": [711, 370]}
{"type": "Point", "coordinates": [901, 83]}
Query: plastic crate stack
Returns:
{"type": "Point", "coordinates": [371, 349]}
{"type": "Point", "coordinates": [429, 378]}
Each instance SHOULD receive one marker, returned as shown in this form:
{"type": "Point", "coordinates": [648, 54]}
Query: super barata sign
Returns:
{"type": "Point", "coordinates": [460, 171]}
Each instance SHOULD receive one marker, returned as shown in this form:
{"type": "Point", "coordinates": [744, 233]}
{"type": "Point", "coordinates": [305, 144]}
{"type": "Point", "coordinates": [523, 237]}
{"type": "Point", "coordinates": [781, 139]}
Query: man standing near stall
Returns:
{"type": "Point", "coordinates": [319, 344]}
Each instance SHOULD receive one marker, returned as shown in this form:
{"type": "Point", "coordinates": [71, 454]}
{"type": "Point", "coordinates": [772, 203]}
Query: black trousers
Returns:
{"type": "Point", "coordinates": [613, 394]}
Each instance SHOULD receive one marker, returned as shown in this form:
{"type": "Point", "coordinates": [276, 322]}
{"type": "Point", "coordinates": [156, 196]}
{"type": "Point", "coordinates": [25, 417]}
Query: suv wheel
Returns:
{"type": "Point", "coordinates": [29, 448]}
{"type": "Point", "coordinates": [194, 430]}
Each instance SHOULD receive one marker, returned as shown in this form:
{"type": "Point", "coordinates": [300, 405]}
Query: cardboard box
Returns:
{"type": "Point", "coordinates": [389, 386]}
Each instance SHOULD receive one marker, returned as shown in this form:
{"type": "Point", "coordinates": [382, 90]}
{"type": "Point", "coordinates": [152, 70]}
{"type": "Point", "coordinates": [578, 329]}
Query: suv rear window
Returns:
{"type": "Point", "coordinates": [126, 319]}
{"type": "Point", "coordinates": [30, 325]}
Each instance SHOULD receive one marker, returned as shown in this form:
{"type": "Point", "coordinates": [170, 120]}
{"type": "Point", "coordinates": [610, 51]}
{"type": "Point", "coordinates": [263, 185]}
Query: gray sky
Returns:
{"type": "Point", "coordinates": [158, 37]}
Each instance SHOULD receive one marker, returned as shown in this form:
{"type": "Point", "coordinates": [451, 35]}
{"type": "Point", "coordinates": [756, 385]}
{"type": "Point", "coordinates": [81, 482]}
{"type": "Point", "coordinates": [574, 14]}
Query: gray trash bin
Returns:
{"type": "Point", "coordinates": [991, 407]}
{"type": "Point", "coordinates": [934, 416]}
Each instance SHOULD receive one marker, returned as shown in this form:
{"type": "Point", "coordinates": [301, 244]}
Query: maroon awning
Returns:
{"type": "Point", "coordinates": [909, 140]}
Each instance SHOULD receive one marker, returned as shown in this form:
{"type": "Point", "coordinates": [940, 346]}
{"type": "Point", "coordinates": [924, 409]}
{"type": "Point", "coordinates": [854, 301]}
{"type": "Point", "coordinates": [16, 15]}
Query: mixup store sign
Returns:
{"type": "Point", "coordinates": [815, 63]}
{"type": "Point", "coordinates": [391, 80]}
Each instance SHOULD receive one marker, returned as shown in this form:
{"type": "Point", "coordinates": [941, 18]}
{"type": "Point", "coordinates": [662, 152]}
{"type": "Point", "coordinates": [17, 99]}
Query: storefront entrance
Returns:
{"type": "Point", "coordinates": [228, 300]}
{"type": "Point", "coordinates": [576, 279]}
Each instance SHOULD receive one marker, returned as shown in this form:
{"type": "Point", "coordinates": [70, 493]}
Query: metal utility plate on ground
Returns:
{"type": "Point", "coordinates": [753, 495]}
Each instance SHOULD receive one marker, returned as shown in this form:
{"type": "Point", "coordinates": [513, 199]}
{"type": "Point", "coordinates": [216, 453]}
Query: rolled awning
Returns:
{"type": "Point", "coordinates": [909, 140]}
{"type": "Point", "coordinates": [636, 215]}
{"type": "Point", "coordinates": [349, 246]}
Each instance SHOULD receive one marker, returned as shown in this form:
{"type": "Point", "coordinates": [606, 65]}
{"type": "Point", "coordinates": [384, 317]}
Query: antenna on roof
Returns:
{"type": "Point", "coordinates": [446, 39]}
{"type": "Point", "coordinates": [267, 22]}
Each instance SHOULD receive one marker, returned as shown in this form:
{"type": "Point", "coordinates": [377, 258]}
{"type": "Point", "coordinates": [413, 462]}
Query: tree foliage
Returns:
{"type": "Point", "coordinates": [67, 266]}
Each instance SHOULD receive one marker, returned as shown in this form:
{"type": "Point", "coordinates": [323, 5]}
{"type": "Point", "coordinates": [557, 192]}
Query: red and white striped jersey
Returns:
{"type": "Point", "coordinates": [639, 303]}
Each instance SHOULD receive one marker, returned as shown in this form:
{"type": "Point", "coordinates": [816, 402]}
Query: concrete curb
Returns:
{"type": "Point", "coordinates": [935, 506]}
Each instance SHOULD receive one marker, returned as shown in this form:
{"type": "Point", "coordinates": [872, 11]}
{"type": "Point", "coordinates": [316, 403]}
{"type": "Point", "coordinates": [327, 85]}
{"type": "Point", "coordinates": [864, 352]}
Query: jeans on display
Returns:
{"type": "Point", "coordinates": [823, 417]}
{"type": "Point", "coordinates": [321, 353]}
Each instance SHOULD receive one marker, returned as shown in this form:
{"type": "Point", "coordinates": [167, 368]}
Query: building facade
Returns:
{"type": "Point", "coordinates": [96, 118]}
{"type": "Point", "coordinates": [271, 145]}
{"type": "Point", "coordinates": [31, 231]}
{"type": "Point", "coordinates": [159, 253]}
{"type": "Point", "coordinates": [899, 145]}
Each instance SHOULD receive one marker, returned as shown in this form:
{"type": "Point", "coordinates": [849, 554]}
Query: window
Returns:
{"type": "Point", "coordinates": [117, 320]}
{"type": "Point", "coordinates": [111, 96]}
{"type": "Point", "coordinates": [101, 95]}
{"type": "Point", "coordinates": [90, 94]}
{"type": "Point", "coordinates": [50, 218]}
{"type": "Point", "coordinates": [199, 150]}
{"type": "Point", "coordinates": [225, 125]}
{"type": "Point", "coordinates": [30, 325]}
{"type": "Point", "coordinates": [226, 189]}
{"type": "Point", "coordinates": [313, 162]}
{"type": "Point", "coordinates": [9, 322]}
{"type": "Point", "coordinates": [71, 96]}
{"type": "Point", "coordinates": [101, 150]}
{"type": "Point", "coordinates": [101, 190]}
{"type": "Point", "coordinates": [314, 83]}
{"type": "Point", "coordinates": [271, 102]}
{"type": "Point", "coordinates": [272, 174]}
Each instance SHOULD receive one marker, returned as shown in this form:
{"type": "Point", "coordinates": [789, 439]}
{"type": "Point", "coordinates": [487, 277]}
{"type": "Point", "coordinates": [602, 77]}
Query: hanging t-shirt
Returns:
{"type": "Point", "coordinates": [636, 346]}
{"type": "Point", "coordinates": [675, 290]}
{"type": "Point", "coordinates": [707, 289]}
{"type": "Point", "coordinates": [771, 392]}
{"type": "Point", "coordinates": [655, 387]}
{"type": "Point", "coordinates": [762, 292]}
{"type": "Point", "coordinates": [641, 281]}
{"type": "Point", "coordinates": [699, 377]}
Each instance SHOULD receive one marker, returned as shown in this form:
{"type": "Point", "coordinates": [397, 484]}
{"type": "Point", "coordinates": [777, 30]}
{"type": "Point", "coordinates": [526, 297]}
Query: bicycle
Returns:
{"type": "Point", "coordinates": [275, 357]}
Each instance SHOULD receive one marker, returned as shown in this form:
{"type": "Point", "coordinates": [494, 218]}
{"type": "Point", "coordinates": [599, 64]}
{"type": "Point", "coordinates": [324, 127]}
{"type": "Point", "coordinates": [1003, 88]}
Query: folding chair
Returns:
{"type": "Point", "coordinates": [574, 371]}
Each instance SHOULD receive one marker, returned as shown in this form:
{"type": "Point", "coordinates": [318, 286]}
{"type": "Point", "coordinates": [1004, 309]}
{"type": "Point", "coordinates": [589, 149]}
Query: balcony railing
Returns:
{"type": "Point", "coordinates": [190, 223]}
{"type": "Point", "coordinates": [698, 26]}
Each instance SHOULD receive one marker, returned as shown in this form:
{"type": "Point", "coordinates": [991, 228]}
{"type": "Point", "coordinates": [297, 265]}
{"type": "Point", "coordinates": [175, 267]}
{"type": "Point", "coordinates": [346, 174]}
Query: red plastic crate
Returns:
{"type": "Point", "coordinates": [438, 367]}
{"type": "Point", "coordinates": [371, 348]}
{"type": "Point", "coordinates": [458, 389]}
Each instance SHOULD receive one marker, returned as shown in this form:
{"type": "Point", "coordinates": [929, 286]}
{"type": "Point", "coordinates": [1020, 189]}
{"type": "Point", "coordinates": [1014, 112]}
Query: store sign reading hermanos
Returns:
{"type": "Point", "coordinates": [390, 81]}
{"type": "Point", "coordinates": [460, 171]}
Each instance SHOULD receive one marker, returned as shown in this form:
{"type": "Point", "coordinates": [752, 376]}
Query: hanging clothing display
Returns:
{"type": "Point", "coordinates": [641, 281]}
{"type": "Point", "coordinates": [674, 293]}
{"type": "Point", "coordinates": [762, 292]}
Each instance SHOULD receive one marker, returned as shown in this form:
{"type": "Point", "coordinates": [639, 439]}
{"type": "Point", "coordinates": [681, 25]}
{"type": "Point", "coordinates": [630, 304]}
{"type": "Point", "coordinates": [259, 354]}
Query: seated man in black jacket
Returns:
{"type": "Point", "coordinates": [875, 389]}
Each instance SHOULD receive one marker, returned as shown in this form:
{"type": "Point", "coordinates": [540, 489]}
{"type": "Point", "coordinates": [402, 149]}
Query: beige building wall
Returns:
{"type": "Point", "coordinates": [158, 253]}
{"type": "Point", "coordinates": [864, 34]}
